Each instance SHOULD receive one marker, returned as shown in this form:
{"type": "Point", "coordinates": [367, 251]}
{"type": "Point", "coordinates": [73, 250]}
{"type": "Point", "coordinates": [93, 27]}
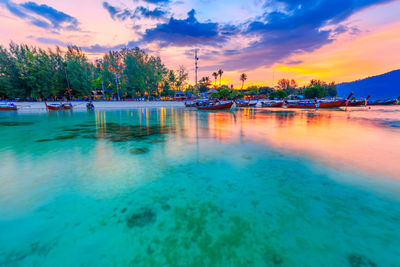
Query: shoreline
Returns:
{"type": "Point", "coordinates": [100, 105]}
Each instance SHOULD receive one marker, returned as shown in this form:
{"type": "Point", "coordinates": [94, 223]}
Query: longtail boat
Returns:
{"type": "Point", "coordinates": [197, 102]}
{"type": "Point", "coordinates": [272, 104]}
{"type": "Point", "coordinates": [190, 104]}
{"type": "Point", "coordinates": [66, 106]}
{"type": "Point", "coordinates": [359, 103]}
{"type": "Point", "coordinates": [90, 106]}
{"type": "Point", "coordinates": [253, 104]}
{"type": "Point", "coordinates": [384, 103]}
{"type": "Point", "coordinates": [242, 104]}
{"type": "Point", "coordinates": [8, 107]}
{"type": "Point", "coordinates": [62, 106]}
{"type": "Point", "coordinates": [216, 106]}
{"type": "Point", "coordinates": [53, 107]}
{"type": "Point", "coordinates": [333, 104]}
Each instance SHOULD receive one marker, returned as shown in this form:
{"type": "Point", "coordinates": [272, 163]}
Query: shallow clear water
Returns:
{"type": "Point", "coordinates": [176, 187]}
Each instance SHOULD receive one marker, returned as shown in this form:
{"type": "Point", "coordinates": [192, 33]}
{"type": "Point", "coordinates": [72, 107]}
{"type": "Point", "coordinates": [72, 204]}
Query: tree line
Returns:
{"type": "Point", "coordinates": [284, 88]}
{"type": "Point", "coordinates": [315, 88]}
{"type": "Point", "coordinates": [29, 72]}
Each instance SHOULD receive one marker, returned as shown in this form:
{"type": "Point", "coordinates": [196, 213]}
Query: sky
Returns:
{"type": "Point", "coordinates": [340, 41]}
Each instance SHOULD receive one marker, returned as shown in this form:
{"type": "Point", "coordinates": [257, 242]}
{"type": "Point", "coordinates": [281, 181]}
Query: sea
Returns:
{"type": "Point", "coordinates": [182, 187]}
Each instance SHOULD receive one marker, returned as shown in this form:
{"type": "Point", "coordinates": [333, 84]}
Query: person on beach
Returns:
{"type": "Point", "coordinates": [316, 104]}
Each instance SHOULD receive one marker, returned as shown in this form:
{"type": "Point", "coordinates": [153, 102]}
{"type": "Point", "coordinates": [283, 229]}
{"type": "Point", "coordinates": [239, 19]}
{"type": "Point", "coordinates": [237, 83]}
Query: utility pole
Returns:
{"type": "Point", "coordinates": [69, 89]}
{"type": "Point", "coordinates": [116, 81]}
{"type": "Point", "coordinates": [196, 59]}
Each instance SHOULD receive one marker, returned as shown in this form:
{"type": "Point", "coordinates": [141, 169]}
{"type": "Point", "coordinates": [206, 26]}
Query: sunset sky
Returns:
{"type": "Point", "coordinates": [339, 41]}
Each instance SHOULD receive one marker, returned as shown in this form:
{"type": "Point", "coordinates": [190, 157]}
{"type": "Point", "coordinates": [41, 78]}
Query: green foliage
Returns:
{"type": "Point", "coordinates": [203, 84]}
{"type": "Point", "coordinates": [215, 75]}
{"type": "Point", "coordinates": [279, 94]}
{"type": "Point", "coordinates": [214, 95]}
{"type": "Point", "coordinates": [32, 72]}
{"type": "Point", "coordinates": [289, 86]}
{"type": "Point", "coordinates": [243, 78]}
{"type": "Point", "coordinates": [182, 76]}
{"type": "Point", "coordinates": [330, 88]}
{"type": "Point", "coordinates": [220, 72]}
{"type": "Point", "coordinates": [96, 83]}
{"type": "Point", "coordinates": [79, 72]}
{"type": "Point", "coordinates": [315, 91]}
{"type": "Point", "coordinates": [266, 90]}
{"type": "Point", "coordinates": [253, 90]}
{"type": "Point", "coordinates": [27, 71]}
{"type": "Point", "coordinates": [166, 89]}
{"type": "Point", "coordinates": [224, 93]}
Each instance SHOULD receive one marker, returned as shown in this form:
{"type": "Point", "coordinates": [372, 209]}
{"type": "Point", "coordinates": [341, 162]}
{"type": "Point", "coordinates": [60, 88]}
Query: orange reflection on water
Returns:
{"type": "Point", "coordinates": [338, 138]}
{"type": "Point", "coordinates": [220, 125]}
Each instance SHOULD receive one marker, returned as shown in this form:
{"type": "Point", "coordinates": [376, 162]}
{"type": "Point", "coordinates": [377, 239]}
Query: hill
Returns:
{"type": "Point", "coordinates": [381, 86]}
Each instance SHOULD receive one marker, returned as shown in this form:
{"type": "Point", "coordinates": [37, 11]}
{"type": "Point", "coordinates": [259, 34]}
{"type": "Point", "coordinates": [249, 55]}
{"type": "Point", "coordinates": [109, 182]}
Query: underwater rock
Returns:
{"type": "Point", "coordinates": [86, 131]}
{"type": "Point", "coordinates": [141, 218]}
{"type": "Point", "coordinates": [165, 207]}
{"type": "Point", "coordinates": [43, 140]}
{"type": "Point", "coordinates": [73, 129]}
{"type": "Point", "coordinates": [123, 210]}
{"type": "Point", "coordinates": [157, 141]}
{"type": "Point", "coordinates": [358, 260]}
{"type": "Point", "coordinates": [121, 133]}
{"type": "Point", "coordinates": [115, 132]}
{"type": "Point", "coordinates": [12, 258]}
{"type": "Point", "coordinates": [139, 150]}
{"type": "Point", "coordinates": [276, 259]}
{"type": "Point", "coordinates": [64, 137]}
{"type": "Point", "coordinates": [15, 123]}
{"type": "Point", "coordinates": [85, 125]}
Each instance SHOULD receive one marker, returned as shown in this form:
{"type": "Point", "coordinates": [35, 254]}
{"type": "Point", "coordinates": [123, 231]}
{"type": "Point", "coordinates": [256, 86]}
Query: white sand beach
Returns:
{"type": "Point", "coordinates": [81, 105]}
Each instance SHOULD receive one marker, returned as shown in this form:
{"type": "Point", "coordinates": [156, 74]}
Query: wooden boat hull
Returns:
{"type": "Point", "coordinates": [253, 104]}
{"type": "Point", "coordinates": [190, 105]}
{"type": "Point", "coordinates": [51, 107]}
{"type": "Point", "coordinates": [387, 103]}
{"type": "Point", "coordinates": [8, 108]}
{"type": "Point", "coordinates": [58, 107]}
{"type": "Point", "coordinates": [66, 106]}
{"type": "Point", "coordinates": [243, 105]}
{"type": "Point", "coordinates": [335, 104]}
{"type": "Point", "coordinates": [357, 103]}
{"type": "Point", "coordinates": [272, 105]}
{"type": "Point", "coordinates": [217, 107]}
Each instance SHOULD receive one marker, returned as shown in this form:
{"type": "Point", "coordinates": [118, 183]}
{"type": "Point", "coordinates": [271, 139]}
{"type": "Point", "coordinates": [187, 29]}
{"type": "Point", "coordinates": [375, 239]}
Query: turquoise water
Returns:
{"type": "Point", "coordinates": [176, 187]}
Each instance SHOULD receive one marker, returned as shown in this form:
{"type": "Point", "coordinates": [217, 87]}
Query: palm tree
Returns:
{"type": "Point", "coordinates": [215, 77]}
{"type": "Point", "coordinates": [243, 78]}
{"type": "Point", "coordinates": [220, 72]}
{"type": "Point", "coordinates": [205, 80]}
